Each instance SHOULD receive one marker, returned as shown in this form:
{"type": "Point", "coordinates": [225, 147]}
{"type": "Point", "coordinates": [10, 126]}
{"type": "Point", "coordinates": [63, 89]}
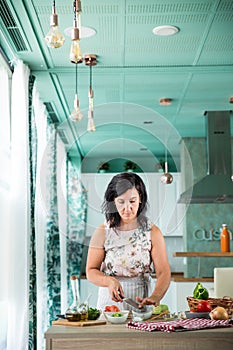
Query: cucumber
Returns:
{"type": "Point", "coordinates": [117, 314]}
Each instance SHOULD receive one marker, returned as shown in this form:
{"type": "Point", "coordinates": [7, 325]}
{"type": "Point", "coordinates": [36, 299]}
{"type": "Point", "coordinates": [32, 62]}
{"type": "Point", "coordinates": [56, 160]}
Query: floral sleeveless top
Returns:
{"type": "Point", "coordinates": [127, 252]}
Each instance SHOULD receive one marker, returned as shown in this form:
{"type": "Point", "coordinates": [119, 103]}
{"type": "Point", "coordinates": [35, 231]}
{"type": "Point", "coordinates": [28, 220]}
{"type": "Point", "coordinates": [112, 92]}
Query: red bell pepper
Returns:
{"type": "Point", "coordinates": [203, 306]}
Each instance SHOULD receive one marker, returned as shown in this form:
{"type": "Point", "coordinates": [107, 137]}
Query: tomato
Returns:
{"type": "Point", "coordinates": [203, 306]}
{"type": "Point", "coordinates": [112, 308]}
{"type": "Point", "coordinates": [107, 308]}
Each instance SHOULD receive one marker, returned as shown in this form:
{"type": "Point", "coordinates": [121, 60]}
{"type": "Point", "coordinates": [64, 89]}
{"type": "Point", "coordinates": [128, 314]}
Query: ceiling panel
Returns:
{"type": "Point", "coordinates": [135, 69]}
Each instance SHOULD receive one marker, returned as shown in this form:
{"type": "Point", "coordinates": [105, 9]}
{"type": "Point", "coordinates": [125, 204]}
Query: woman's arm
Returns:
{"type": "Point", "coordinates": [162, 268]}
{"type": "Point", "coordinates": [95, 258]}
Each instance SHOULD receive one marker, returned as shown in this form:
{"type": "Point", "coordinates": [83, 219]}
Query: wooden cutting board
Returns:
{"type": "Point", "coordinates": [157, 317]}
{"type": "Point", "coordinates": [78, 323]}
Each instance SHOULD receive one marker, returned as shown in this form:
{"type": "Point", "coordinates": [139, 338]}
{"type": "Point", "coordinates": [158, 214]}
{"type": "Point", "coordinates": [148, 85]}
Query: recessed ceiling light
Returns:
{"type": "Point", "coordinates": [165, 101]}
{"type": "Point", "coordinates": [165, 30]}
{"type": "Point", "coordinates": [85, 32]}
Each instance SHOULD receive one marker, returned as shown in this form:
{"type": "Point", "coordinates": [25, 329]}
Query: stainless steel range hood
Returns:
{"type": "Point", "coordinates": [217, 185]}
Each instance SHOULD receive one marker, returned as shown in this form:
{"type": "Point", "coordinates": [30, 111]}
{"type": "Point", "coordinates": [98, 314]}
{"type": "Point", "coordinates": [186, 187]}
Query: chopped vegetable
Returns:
{"type": "Point", "coordinates": [200, 292]}
{"type": "Point", "coordinates": [117, 314]}
{"type": "Point", "coordinates": [112, 308]}
{"type": "Point", "coordinates": [93, 313]}
{"type": "Point", "coordinates": [159, 309]}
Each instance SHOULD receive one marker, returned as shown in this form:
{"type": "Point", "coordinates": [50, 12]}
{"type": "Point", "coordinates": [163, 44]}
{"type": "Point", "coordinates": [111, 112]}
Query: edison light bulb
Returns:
{"type": "Point", "coordinates": [76, 114]}
{"type": "Point", "coordinates": [75, 52]}
{"type": "Point", "coordinates": [54, 38]}
{"type": "Point", "coordinates": [90, 125]}
{"type": "Point", "coordinates": [91, 99]}
{"type": "Point", "coordinates": [90, 122]}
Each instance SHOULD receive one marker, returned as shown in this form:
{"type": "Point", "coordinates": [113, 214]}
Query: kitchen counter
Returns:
{"type": "Point", "coordinates": [179, 277]}
{"type": "Point", "coordinates": [115, 337]}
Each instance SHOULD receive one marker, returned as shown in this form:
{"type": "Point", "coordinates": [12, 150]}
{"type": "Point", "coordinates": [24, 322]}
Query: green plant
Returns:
{"type": "Point", "coordinates": [130, 165]}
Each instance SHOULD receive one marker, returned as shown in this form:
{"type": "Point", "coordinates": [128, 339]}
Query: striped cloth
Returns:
{"type": "Point", "coordinates": [179, 325]}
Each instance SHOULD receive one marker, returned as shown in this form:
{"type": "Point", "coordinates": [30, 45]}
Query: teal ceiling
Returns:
{"type": "Point", "coordinates": [135, 69]}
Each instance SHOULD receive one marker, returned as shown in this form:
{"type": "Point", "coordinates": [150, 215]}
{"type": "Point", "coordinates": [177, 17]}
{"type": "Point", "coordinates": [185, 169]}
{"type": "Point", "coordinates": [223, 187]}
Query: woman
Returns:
{"type": "Point", "coordinates": [122, 249]}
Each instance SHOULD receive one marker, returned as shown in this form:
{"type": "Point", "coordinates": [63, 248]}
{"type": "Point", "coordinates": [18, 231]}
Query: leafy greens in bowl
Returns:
{"type": "Point", "coordinates": [93, 313]}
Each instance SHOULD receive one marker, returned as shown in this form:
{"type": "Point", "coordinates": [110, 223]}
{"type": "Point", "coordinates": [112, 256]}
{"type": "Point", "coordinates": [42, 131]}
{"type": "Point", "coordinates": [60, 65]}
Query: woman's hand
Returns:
{"type": "Point", "coordinates": [152, 300]}
{"type": "Point", "coordinates": [115, 289]}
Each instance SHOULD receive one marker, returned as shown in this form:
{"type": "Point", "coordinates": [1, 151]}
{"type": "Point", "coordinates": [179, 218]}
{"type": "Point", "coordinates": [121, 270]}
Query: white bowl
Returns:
{"type": "Point", "coordinates": [116, 319]}
{"type": "Point", "coordinates": [141, 316]}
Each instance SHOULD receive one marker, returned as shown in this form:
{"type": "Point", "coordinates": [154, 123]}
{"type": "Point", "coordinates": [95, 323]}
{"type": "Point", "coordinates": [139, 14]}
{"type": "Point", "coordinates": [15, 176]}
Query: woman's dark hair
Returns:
{"type": "Point", "coordinates": [119, 184]}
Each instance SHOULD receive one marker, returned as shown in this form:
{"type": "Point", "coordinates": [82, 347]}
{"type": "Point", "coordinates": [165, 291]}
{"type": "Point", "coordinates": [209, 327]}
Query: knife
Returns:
{"type": "Point", "coordinates": [134, 304]}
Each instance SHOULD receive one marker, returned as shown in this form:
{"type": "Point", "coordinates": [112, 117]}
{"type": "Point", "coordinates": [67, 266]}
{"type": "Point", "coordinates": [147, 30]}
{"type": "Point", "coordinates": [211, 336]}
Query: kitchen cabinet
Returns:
{"type": "Point", "coordinates": [163, 209]}
{"type": "Point", "coordinates": [180, 292]}
{"type": "Point", "coordinates": [172, 213]}
{"type": "Point", "coordinates": [177, 293]}
{"type": "Point", "coordinates": [87, 288]}
{"type": "Point", "coordinates": [181, 288]}
{"type": "Point", "coordinates": [95, 185]}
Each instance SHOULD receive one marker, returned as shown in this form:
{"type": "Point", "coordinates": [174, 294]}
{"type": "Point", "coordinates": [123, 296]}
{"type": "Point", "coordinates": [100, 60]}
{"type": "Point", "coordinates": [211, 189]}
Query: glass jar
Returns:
{"type": "Point", "coordinates": [73, 313]}
{"type": "Point", "coordinates": [83, 310]}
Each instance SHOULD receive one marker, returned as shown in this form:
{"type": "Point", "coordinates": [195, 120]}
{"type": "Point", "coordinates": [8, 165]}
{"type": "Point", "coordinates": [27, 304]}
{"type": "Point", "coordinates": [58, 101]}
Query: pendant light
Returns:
{"type": "Point", "coordinates": [75, 51]}
{"type": "Point", "coordinates": [166, 178]}
{"type": "Point", "coordinates": [90, 60]}
{"type": "Point", "coordinates": [76, 114]}
{"type": "Point", "coordinates": [54, 38]}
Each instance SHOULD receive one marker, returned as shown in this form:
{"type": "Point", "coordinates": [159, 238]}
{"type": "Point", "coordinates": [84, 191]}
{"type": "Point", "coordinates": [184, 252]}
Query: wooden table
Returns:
{"type": "Point", "coordinates": [115, 337]}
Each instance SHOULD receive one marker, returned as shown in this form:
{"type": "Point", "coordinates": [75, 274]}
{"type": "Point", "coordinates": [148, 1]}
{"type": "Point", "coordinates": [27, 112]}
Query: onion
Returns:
{"type": "Point", "coordinates": [219, 313]}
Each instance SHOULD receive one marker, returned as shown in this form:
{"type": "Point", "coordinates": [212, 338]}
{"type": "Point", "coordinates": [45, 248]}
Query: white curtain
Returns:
{"type": "Point", "coordinates": [40, 216]}
{"type": "Point", "coordinates": [41, 211]}
{"type": "Point", "coordinates": [4, 198]}
{"type": "Point", "coordinates": [17, 257]}
{"type": "Point", "coordinates": [62, 217]}
{"type": "Point", "coordinates": [19, 213]}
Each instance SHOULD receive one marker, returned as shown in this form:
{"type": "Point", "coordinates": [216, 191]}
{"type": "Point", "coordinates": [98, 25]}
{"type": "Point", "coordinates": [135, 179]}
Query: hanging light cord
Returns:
{"type": "Point", "coordinates": [54, 7]}
{"type": "Point", "coordinates": [76, 78]}
{"type": "Point", "coordinates": [90, 78]}
{"type": "Point", "coordinates": [75, 15]}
